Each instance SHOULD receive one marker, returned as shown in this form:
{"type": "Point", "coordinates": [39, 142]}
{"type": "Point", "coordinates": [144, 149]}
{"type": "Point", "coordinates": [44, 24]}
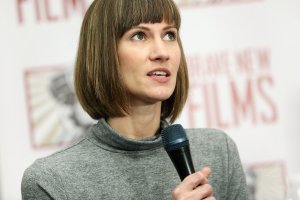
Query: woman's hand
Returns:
{"type": "Point", "coordinates": [195, 186]}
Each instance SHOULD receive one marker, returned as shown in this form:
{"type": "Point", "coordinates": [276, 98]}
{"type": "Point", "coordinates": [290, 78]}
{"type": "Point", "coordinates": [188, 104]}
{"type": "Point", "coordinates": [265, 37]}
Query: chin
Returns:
{"type": "Point", "coordinates": [153, 96]}
{"type": "Point", "coordinates": [162, 97]}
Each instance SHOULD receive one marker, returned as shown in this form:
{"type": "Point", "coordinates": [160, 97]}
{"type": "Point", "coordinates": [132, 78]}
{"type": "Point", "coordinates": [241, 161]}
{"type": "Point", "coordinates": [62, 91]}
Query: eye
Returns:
{"type": "Point", "coordinates": [138, 36]}
{"type": "Point", "coordinates": [170, 35]}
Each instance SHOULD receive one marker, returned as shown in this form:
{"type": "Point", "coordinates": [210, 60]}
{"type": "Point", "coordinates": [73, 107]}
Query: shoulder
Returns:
{"type": "Point", "coordinates": [206, 132]}
{"type": "Point", "coordinates": [211, 141]}
{"type": "Point", "coordinates": [59, 160]}
{"type": "Point", "coordinates": [216, 149]}
{"type": "Point", "coordinates": [39, 181]}
{"type": "Point", "coordinates": [209, 136]}
{"type": "Point", "coordinates": [67, 154]}
{"type": "Point", "coordinates": [47, 173]}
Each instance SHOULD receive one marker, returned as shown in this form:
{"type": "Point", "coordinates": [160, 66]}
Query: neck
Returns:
{"type": "Point", "coordinates": [142, 122]}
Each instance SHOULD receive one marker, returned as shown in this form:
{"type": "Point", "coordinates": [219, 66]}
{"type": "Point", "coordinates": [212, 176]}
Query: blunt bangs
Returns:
{"type": "Point", "coordinates": [133, 12]}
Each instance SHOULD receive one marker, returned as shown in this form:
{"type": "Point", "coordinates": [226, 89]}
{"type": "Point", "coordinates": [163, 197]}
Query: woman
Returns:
{"type": "Point", "coordinates": [131, 76]}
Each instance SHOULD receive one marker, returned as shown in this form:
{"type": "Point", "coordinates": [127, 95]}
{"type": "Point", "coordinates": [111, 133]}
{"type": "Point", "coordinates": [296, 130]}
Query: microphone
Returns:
{"type": "Point", "coordinates": [177, 146]}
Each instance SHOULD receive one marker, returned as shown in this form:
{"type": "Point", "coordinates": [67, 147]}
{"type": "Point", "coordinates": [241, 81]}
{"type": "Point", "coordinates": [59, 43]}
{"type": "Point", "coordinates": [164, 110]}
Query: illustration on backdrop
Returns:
{"type": "Point", "coordinates": [55, 116]}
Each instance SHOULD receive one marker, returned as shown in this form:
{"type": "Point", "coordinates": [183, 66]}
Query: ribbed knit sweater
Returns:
{"type": "Point", "coordinates": [105, 165]}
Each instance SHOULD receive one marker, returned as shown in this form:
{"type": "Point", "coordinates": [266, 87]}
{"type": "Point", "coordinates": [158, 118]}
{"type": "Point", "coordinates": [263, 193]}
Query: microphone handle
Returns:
{"type": "Point", "coordinates": [182, 161]}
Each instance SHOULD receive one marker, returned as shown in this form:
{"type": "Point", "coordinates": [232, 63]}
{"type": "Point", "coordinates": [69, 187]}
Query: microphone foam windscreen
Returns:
{"type": "Point", "coordinates": [174, 137]}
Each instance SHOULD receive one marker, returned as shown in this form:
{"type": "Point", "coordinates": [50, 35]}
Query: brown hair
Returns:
{"type": "Point", "coordinates": [98, 82]}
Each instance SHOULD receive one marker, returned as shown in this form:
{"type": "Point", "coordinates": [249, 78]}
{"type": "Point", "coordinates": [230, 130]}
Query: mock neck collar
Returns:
{"type": "Point", "coordinates": [115, 141]}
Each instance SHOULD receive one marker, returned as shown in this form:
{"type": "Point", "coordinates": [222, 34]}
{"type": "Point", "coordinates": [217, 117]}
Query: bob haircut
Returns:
{"type": "Point", "coordinates": [98, 82]}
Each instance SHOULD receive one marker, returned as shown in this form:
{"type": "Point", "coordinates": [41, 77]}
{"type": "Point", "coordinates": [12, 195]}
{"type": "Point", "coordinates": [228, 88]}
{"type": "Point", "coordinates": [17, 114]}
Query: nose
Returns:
{"type": "Point", "coordinates": [159, 51]}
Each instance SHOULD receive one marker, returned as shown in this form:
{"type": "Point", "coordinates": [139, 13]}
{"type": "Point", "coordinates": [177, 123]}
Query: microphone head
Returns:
{"type": "Point", "coordinates": [174, 137]}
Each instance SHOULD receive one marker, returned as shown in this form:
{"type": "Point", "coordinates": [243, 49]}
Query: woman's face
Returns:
{"type": "Point", "coordinates": [149, 57]}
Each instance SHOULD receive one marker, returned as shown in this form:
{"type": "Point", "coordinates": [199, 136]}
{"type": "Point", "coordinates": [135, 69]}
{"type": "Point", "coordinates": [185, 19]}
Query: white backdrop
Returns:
{"type": "Point", "coordinates": [244, 70]}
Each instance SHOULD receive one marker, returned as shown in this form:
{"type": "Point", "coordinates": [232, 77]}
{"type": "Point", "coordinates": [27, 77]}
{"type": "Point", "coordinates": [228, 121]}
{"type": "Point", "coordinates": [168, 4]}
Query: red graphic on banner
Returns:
{"type": "Point", "coordinates": [230, 89]}
{"type": "Point", "coordinates": [49, 10]}
{"type": "Point", "coordinates": [208, 3]}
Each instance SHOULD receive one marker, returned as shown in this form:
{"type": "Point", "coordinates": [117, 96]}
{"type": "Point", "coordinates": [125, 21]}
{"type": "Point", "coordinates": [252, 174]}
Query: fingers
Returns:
{"type": "Point", "coordinates": [195, 186]}
{"type": "Point", "coordinates": [210, 198]}
{"type": "Point", "coordinates": [194, 180]}
{"type": "Point", "coordinates": [203, 192]}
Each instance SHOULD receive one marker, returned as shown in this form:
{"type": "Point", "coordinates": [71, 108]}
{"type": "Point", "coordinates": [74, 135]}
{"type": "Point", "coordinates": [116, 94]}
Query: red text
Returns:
{"type": "Point", "coordinates": [49, 10]}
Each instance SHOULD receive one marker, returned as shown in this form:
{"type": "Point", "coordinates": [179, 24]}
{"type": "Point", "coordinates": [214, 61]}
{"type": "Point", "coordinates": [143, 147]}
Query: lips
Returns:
{"type": "Point", "coordinates": [159, 73]}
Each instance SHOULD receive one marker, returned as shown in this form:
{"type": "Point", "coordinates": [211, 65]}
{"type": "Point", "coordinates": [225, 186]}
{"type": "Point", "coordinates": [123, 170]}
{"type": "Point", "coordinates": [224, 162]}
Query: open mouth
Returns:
{"type": "Point", "coordinates": [159, 73]}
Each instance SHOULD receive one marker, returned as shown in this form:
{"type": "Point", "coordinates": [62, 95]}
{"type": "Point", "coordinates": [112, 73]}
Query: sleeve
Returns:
{"type": "Point", "coordinates": [237, 187]}
{"type": "Point", "coordinates": [39, 183]}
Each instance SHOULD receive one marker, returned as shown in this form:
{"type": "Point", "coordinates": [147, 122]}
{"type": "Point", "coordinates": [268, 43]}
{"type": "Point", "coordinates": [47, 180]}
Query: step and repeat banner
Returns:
{"type": "Point", "coordinates": [244, 68]}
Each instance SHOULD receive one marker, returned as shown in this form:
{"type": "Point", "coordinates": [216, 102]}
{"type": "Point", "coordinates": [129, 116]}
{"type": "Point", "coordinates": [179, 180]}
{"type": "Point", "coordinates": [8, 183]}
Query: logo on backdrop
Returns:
{"type": "Point", "coordinates": [211, 2]}
{"type": "Point", "coordinates": [49, 10]}
{"type": "Point", "coordinates": [232, 88]}
{"type": "Point", "coordinates": [39, 11]}
{"type": "Point", "coordinates": [54, 114]}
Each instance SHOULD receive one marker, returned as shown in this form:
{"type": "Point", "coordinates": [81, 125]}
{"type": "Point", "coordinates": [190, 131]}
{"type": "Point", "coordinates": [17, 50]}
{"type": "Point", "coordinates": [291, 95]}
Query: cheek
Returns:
{"type": "Point", "coordinates": [123, 57]}
{"type": "Point", "coordinates": [177, 59]}
{"type": "Point", "coordinates": [125, 61]}
{"type": "Point", "coordinates": [128, 71]}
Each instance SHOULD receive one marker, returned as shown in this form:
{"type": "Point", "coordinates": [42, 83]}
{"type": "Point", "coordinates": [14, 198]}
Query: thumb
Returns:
{"type": "Point", "coordinates": [206, 171]}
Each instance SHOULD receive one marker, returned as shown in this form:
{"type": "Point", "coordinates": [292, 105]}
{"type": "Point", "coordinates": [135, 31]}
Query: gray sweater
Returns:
{"type": "Point", "coordinates": [105, 165]}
